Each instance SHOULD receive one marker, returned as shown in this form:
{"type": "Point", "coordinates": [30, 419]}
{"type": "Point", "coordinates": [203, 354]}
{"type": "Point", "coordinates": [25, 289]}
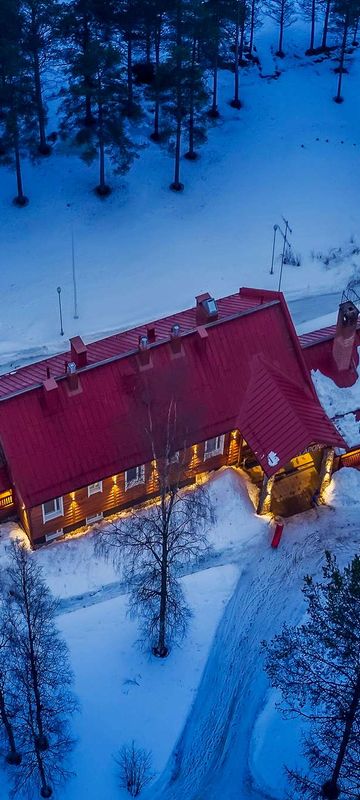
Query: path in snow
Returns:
{"type": "Point", "coordinates": [211, 756]}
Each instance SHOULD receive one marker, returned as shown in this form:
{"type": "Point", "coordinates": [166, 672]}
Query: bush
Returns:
{"type": "Point", "coordinates": [134, 768]}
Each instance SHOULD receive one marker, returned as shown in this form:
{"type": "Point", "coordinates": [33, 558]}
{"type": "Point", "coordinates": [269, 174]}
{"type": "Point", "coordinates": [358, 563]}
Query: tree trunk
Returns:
{"type": "Point", "coordinates": [312, 28]}
{"type": "Point", "coordinates": [20, 199]}
{"type": "Point", "coordinates": [330, 789]}
{"type": "Point", "coordinates": [176, 185]}
{"type": "Point", "coordinates": [236, 101]}
{"type": "Point", "coordinates": [252, 27]}
{"type": "Point", "coordinates": [102, 189]}
{"type": "Point", "coordinates": [326, 25]}
{"type": "Point", "coordinates": [191, 155]}
{"type": "Point", "coordinates": [44, 148]}
{"type": "Point", "coordinates": [354, 41]}
{"type": "Point", "coordinates": [280, 51]}
{"type": "Point", "coordinates": [130, 83]}
{"type": "Point", "coordinates": [338, 98]}
{"type": "Point", "coordinates": [155, 136]}
{"type": "Point", "coordinates": [148, 45]}
{"type": "Point", "coordinates": [214, 109]}
{"type": "Point", "coordinates": [161, 649]}
{"type": "Point", "coordinates": [13, 756]}
{"type": "Point", "coordinates": [41, 740]}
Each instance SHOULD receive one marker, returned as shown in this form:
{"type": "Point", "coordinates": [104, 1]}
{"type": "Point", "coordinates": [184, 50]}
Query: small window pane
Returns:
{"type": "Point", "coordinates": [211, 445]}
{"type": "Point", "coordinates": [49, 507]}
{"type": "Point", "coordinates": [94, 488]}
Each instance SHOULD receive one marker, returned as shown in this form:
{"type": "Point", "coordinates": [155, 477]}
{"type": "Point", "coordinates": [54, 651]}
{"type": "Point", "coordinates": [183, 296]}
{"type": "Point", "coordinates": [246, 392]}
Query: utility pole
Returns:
{"type": "Point", "coordinates": [76, 315]}
{"type": "Point", "coordinates": [60, 311]}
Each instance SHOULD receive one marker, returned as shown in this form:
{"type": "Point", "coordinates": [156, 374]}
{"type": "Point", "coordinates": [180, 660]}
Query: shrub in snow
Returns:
{"type": "Point", "coordinates": [134, 768]}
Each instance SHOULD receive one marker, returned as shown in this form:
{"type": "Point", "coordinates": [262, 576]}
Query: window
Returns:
{"type": "Point", "coordinates": [134, 476]}
{"type": "Point", "coordinates": [94, 488]}
{"type": "Point", "coordinates": [53, 508]}
{"type": "Point", "coordinates": [94, 518]}
{"type": "Point", "coordinates": [49, 537]}
{"type": "Point", "coordinates": [214, 447]}
{"type": "Point", "coordinates": [174, 458]}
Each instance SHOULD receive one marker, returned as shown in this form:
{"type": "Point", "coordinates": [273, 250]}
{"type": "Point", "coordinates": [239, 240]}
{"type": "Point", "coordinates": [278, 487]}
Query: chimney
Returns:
{"type": "Point", "coordinates": [206, 308]}
{"type": "Point", "coordinates": [72, 376]}
{"type": "Point", "coordinates": [344, 340]}
{"type": "Point", "coordinates": [78, 352]}
{"type": "Point", "coordinates": [151, 334]}
{"type": "Point", "coordinates": [202, 336]}
{"type": "Point", "coordinates": [144, 353]}
{"type": "Point", "coordinates": [51, 394]}
{"type": "Point", "coordinates": [175, 340]}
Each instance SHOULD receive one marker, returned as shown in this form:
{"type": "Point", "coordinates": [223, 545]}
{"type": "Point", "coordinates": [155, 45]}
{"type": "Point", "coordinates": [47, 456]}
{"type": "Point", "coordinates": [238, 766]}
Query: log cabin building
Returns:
{"type": "Point", "coordinates": [74, 428]}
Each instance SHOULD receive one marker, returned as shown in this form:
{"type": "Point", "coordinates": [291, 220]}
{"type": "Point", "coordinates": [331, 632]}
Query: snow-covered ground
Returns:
{"type": "Point", "coordinates": [206, 713]}
{"type": "Point", "coordinates": [145, 251]}
{"type": "Point", "coordinates": [340, 405]}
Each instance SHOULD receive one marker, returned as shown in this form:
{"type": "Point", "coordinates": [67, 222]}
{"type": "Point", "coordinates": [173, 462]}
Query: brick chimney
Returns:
{"type": "Point", "coordinates": [175, 339]}
{"type": "Point", "coordinates": [144, 352]}
{"type": "Point", "coordinates": [344, 340]}
{"type": "Point", "coordinates": [72, 377]}
{"type": "Point", "coordinates": [78, 352]}
{"type": "Point", "coordinates": [51, 394]}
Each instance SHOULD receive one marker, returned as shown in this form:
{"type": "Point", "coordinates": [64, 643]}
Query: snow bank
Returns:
{"type": "Point", "coordinates": [334, 399]}
{"type": "Point", "coordinates": [339, 404]}
{"type": "Point", "coordinates": [275, 744]}
{"type": "Point", "coordinates": [126, 694]}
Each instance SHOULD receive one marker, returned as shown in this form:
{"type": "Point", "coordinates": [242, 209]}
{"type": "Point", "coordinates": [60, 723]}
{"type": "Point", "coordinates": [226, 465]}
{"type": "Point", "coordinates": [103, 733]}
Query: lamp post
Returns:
{"type": "Point", "coordinates": [60, 311]}
{"type": "Point", "coordinates": [76, 315]}
{"type": "Point", "coordinates": [276, 228]}
{"type": "Point", "coordinates": [285, 242]}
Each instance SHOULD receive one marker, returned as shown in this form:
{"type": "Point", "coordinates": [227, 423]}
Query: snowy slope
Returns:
{"type": "Point", "coordinates": [145, 252]}
{"type": "Point", "coordinates": [215, 751]}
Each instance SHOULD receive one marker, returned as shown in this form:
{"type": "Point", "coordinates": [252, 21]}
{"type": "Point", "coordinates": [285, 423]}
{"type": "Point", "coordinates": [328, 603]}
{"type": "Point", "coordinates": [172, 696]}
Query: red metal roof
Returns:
{"type": "Point", "coordinates": [218, 382]}
{"type": "Point", "coordinates": [297, 420]}
{"type": "Point", "coordinates": [126, 341]}
{"type": "Point", "coordinates": [317, 349]}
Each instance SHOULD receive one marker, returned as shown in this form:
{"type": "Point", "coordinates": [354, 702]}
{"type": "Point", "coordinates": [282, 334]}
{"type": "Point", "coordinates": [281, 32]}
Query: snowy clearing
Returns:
{"type": "Point", "coordinates": [145, 252]}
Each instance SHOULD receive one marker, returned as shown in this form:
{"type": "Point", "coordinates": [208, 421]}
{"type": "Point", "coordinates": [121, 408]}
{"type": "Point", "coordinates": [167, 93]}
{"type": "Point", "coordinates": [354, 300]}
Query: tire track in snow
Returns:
{"type": "Point", "coordinates": [210, 760]}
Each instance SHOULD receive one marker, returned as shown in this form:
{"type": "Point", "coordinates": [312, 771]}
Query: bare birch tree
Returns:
{"type": "Point", "coordinates": [9, 703]}
{"type": "Point", "coordinates": [41, 677]}
{"type": "Point", "coordinates": [154, 544]}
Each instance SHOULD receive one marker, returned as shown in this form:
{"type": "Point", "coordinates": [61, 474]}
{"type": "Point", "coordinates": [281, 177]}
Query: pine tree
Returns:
{"type": "Point", "coordinates": [283, 13]}
{"type": "Point", "coordinates": [346, 13]}
{"type": "Point", "coordinates": [316, 666]}
{"type": "Point", "coordinates": [95, 82]}
{"type": "Point", "coordinates": [17, 99]}
{"type": "Point", "coordinates": [38, 22]}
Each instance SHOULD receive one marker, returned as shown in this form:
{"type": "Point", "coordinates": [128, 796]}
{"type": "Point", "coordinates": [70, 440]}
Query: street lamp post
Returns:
{"type": "Point", "coordinates": [60, 311]}
{"type": "Point", "coordinates": [285, 242]}
{"type": "Point", "coordinates": [76, 315]}
{"type": "Point", "coordinates": [284, 235]}
{"type": "Point", "coordinates": [276, 228]}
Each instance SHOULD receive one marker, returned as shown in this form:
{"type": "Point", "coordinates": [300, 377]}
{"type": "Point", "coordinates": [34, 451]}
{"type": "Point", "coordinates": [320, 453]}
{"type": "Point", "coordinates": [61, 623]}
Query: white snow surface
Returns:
{"type": "Point", "coordinates": [145, 252]}
{"type": "Point", "coordinates": [340, 405]}
{"type": "Point", "coordinates": [206, 712]}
